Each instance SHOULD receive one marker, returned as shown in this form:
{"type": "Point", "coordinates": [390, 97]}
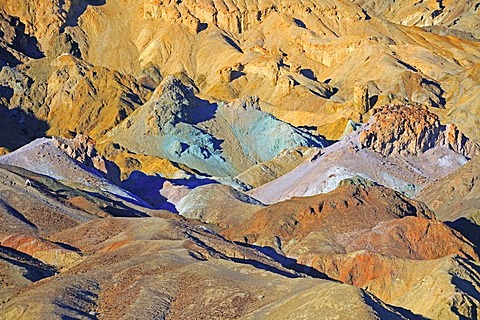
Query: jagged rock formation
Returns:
{"type": "Point", "coordinates": [311, 63]}
{"type": "Point", "coordinates": [402, 147]}
{"type": "Point", "coordinates": [445, 18]}
{"type": "Point", "coordinates": [411, 130]}
{"type": "Point", "coordinates": [82, 149]}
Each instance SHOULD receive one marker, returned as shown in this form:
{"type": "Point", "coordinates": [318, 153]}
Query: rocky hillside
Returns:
{"type": "Point", "coordinates": [311, 63]}
{"type": "Point", "coordinates": [243, 159]}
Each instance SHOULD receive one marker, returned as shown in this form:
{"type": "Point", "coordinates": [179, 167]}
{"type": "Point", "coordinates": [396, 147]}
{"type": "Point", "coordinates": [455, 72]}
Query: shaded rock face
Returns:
{"type": "Point", "coordinates": [411, 130]}
{"type": "Point", "coordinates": [82, 149]}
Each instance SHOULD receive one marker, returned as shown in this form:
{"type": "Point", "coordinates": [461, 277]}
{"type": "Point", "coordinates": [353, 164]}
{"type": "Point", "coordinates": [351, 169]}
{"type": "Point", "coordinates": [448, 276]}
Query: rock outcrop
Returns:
{"type": "Point", "coordinates": [82, 149]}
{"type": "Point", "coordinates": [411, 130]}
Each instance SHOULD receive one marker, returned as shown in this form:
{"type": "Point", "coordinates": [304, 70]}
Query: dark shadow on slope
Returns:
{"type": "Point", "coordinates": [300, 23]}
{"type": "Point", "coordinates": [236, 74]}
{"type": "Point", "coordinates": [6, 93]}
{"type": "Point", "coordinates": [468, 229]}
{"type": "Point", "coordinates": [75, 12]}
{"type": "Point", "coordinates": [286, 262]}
{"type": "Point", "coordinates": [148, 188]}
{"type": "Point", "coordinates": [372, 101]}
{"type": "Point", "coordinates": [425, 83]}
{"type": "Point", "coordinates": [468, 288]}
{"type": "Point", "coordinates": [202, 26]}
{"type": "Point", "coordinates": [253, 263]}
{"type": "Point", "coordinates": [202, 111]}
{"type": "Point", "coordinates": [18, 127]}
{"type": "Point", "coordinates": [262, 266]}
{"type": "Point", "coordinates": [23, 42]}
{"type": "Point", "coordinates": [36, 270]}
{"type": "Point", "coordinates": [116, 208]}
{"type": "Point", "coordinates": [16, 214]}
{"type": "Point", "coordinates": [308, 73]}
{"type": "Point", "coordinates": [8, 59]}
{"type": "Point", "coordinates": [67, 246]}
{"type": "Point", "coordinates": [232, 43]}
{"type": "Point", "coordinates": [86, 297]}
{"type": "Point", "coordinates": [407, 313]}
{"type": "Point", "coordinates": [387, 314]}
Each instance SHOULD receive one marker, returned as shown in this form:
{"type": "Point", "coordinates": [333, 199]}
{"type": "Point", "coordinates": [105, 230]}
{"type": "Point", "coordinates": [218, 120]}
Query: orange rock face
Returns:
{"type": "Point", "coordinates": [411, 130]}
{"type": "Point", "coordinates": [347, 209]}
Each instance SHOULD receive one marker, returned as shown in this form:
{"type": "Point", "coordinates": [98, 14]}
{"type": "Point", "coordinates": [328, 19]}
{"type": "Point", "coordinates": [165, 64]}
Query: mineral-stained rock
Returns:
{"type": "Point", "coordinates": [45, 251]}
{"type": "Point", "coordinates": [403, 147]}
{"type": "Point", "coordinates": [179, 271]}
{"type": "Point", "coordinates": [216, 139]}
{"type": "Point", "coordinates": [89, 100]}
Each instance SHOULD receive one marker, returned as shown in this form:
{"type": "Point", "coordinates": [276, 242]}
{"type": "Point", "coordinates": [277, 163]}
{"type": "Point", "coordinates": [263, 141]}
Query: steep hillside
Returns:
{"type": "Point", "coordinates": [310, 63]}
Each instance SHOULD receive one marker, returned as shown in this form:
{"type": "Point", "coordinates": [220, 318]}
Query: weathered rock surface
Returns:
{"type": "Point", "coordinates": [45, 251]}
{"type": "Point", "coordinates": [412, 130]}
{"type": "Point", "coordinates": [82, 149]}
{"type": "Point", "coordinates": [446, 18]}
